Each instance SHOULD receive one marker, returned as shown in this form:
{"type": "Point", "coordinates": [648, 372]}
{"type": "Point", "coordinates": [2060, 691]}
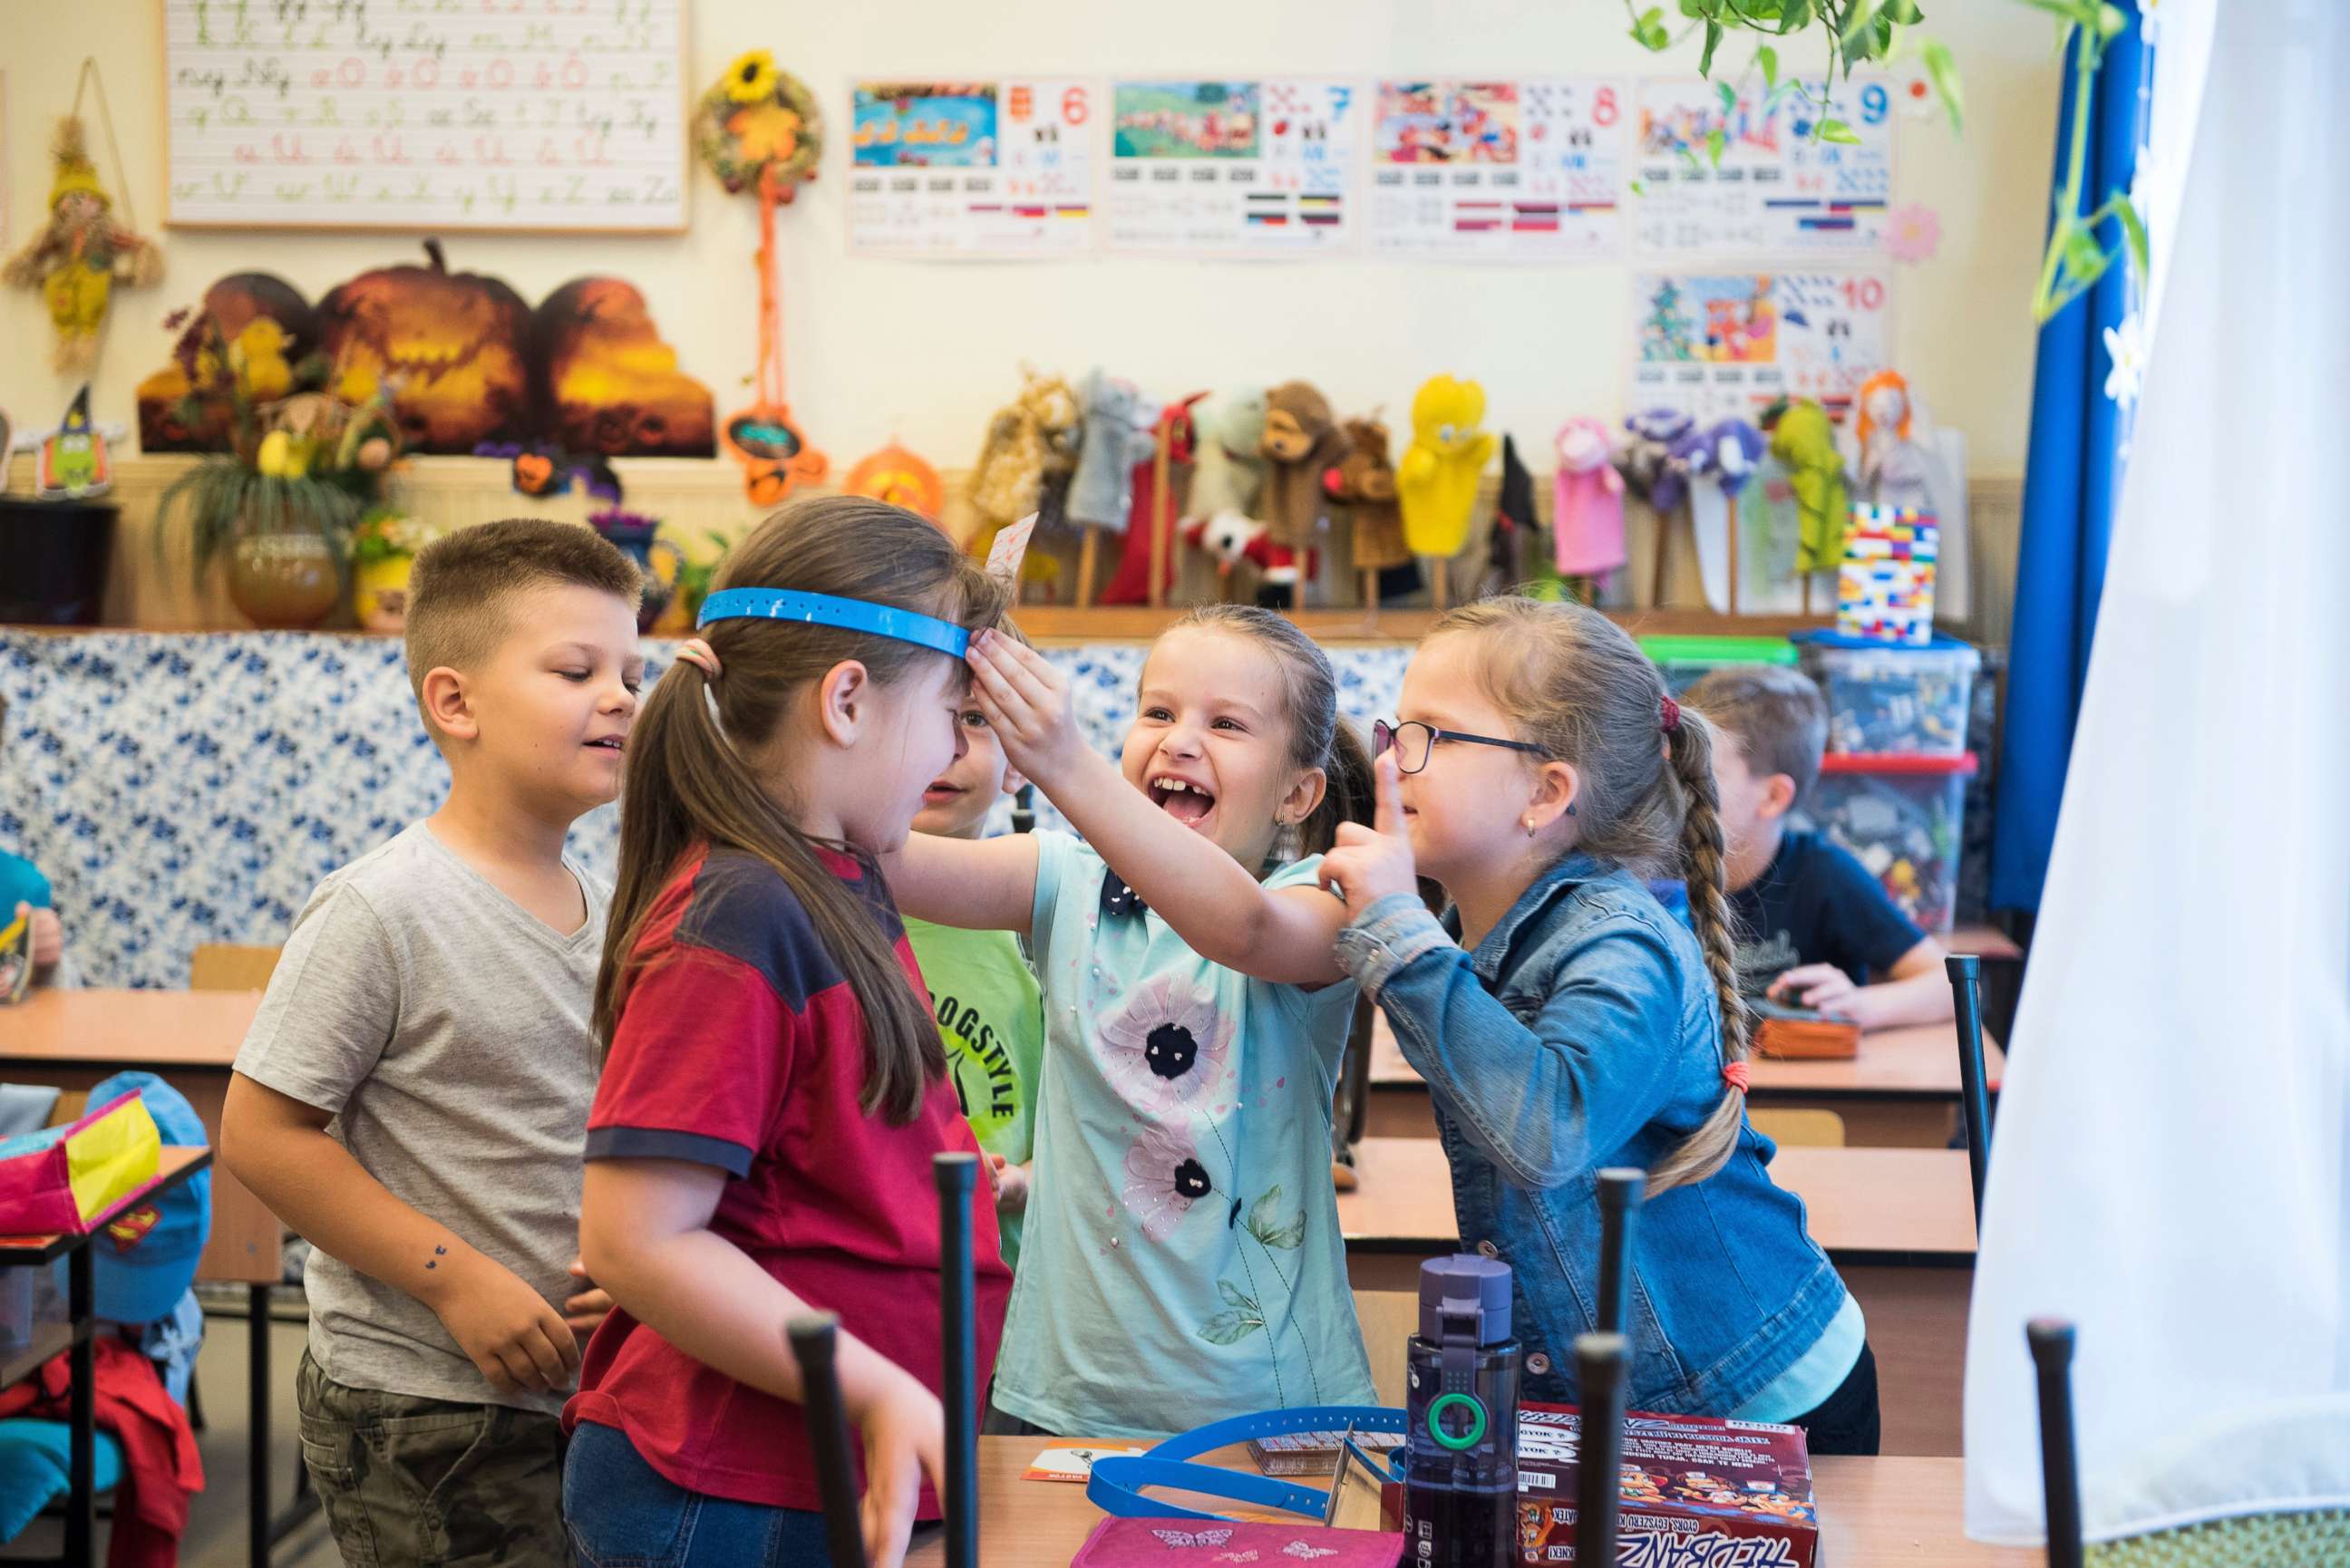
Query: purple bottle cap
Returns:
{"type": "Point", "coordinates": [1465, 1285]}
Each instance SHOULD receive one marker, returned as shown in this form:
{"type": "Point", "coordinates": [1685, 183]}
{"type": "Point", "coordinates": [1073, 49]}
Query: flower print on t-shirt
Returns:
{"type": "Point", "coordinates": [1168, 1048]}
{"type": "Point", "coordinates": [1164, 1177]}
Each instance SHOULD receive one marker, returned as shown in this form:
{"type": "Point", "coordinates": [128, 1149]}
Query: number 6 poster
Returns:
{"type": "Point", "coordinates": [1717, 345]}
{"type": "Point", "coordinates": [1506, 171]}
{"type": "Point", "coordinates": [1237, 167]}
{"type": "Point", "coordinates": [964, 169]}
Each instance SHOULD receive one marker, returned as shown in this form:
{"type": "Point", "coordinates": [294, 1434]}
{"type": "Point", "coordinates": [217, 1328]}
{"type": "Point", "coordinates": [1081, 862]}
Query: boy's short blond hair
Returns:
{"type": "Point", "coordinates": [463, 583]}
{"type": "Point", "coordinates": [1778, 715]}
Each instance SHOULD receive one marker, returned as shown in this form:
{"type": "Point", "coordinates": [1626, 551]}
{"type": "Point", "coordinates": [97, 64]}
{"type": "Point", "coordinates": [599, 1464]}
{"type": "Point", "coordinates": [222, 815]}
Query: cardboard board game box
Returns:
{"type": "Point", "coordinates": [1698, 1492]}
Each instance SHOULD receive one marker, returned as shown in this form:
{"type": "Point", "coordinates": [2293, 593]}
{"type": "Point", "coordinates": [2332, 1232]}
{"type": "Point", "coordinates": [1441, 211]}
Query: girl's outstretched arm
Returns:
{"type": "Point", "coordinates": [980, 884]}
{"type": "Point", "coordinates": [1285, 935]}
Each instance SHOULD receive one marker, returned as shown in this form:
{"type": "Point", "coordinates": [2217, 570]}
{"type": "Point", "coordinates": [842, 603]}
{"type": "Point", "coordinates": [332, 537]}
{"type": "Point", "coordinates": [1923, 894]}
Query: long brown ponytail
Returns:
{"type": "Point", "coordinates": [1318, 738]}
{"type": "Point", "coordinates": [1575, 683]}
{"type": "Point", "coordinates": [689, 783]}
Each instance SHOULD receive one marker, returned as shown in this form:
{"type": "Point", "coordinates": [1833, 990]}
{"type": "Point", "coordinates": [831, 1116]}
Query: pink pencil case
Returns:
{"type": "Point", "coordinates": [1208, 1543]}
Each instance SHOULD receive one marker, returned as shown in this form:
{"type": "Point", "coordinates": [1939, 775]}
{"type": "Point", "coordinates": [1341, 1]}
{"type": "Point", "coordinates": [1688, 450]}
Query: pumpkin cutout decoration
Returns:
{"type": "Point", "coordinates": [611, 385]}
{"type": "Point", "coordinates": [455, 346]}
{"type": "Point", "coordinates": [898, 477]}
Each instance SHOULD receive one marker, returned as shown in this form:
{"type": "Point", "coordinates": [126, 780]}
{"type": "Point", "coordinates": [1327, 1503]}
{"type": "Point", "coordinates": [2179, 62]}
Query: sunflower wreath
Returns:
{"type": "Point", "coordinates": [759, 121]}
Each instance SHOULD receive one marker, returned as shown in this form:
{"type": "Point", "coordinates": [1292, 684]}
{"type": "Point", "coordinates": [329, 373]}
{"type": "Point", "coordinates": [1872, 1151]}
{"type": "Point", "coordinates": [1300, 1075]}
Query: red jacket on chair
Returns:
{"type": "Point", "coordinates": [160, 1468]}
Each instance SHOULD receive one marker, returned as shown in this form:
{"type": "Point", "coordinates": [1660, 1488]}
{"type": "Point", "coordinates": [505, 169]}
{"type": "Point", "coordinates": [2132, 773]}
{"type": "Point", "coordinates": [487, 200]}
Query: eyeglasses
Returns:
{"type": "Point", "coordinates": [1414, 742]}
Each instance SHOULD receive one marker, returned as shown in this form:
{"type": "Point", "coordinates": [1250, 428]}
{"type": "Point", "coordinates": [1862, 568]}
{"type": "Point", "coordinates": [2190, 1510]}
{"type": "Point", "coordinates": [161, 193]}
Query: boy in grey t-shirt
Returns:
{"type": "Point", "coordinates": [414, 1096]}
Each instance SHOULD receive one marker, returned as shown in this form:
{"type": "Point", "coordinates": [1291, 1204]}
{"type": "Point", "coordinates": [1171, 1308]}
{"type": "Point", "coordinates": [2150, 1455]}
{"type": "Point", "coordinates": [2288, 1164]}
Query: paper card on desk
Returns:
{"type": "Point", "coordinates": [1003, 557]}
{"type": "Point", "coordinates": [1072, 1461]}
{"type": "Point", "coordinates": [15, 960]}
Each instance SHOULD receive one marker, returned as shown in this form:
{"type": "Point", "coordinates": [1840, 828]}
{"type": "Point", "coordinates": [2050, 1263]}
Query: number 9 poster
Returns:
{"type": "Point", "coordinates": [1724, 344]}
{"type": "Point", "coordinates": [964, 169]}
{"type": "Point", "coordinates": [1722, 168]}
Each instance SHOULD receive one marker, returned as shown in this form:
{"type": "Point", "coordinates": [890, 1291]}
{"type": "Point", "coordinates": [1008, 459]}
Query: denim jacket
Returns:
{"type": "Point", "coordinates": [1584, 1033]}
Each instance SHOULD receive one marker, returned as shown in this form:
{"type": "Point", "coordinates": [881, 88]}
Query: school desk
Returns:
{"type": "Point", "coordinates": [1898, 1222]}
{"type": "Point", "coordinates": [189, 1038]}
{"type": "Point", "coordinates": [172, 1166]}
{"type": "Point", "coordinates": [1901, 1092]}
{"type": "Point", "coordinates": [1872, 1513]}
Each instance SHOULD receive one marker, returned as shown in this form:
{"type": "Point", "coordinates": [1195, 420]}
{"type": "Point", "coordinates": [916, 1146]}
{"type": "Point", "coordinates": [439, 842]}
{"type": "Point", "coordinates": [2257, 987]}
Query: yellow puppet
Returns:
{"type": "Point", "coordinates": [1436, 481]}
{"type": "Point", "coordinates": [75, 258]}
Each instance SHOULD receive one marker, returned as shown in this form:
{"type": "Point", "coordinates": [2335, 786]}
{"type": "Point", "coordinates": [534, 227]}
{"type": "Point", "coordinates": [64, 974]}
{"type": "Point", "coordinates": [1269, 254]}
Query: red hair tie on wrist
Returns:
{"type": "Point", "coordinates": [1734, 1074]}
{"type": "Point", "coordinates": [1669, 714]}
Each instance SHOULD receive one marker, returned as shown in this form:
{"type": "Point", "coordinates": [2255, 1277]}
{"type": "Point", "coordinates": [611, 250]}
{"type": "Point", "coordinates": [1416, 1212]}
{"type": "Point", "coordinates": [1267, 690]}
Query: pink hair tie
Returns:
{"type": "Point", "coordinates": [693, 651]}
{"type": "Point", "coordinates": [1734, 1074]}
{"type": "Point", "coordinates": [1669, 714]}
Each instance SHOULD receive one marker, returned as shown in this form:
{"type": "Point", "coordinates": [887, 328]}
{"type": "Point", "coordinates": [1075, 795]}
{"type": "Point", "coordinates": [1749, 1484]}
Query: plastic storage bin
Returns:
{"type": "Point", "coordinates": [1900, 816]}
{"type": "Point", "coordinates": [1687, 659]}
{"type": "Point", "coordinates": [1886, 699]}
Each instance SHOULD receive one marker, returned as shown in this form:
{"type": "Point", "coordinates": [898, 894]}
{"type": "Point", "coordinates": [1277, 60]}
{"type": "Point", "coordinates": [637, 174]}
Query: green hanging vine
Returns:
{"type": "Point", "coordinates": [2082, 242]}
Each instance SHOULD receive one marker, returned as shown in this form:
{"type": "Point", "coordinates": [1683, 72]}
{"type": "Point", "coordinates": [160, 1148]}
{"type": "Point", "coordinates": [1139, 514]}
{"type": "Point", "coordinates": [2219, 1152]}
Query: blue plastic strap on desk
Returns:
{"type": "Point", "coordinates": [1115, 1483]}
{"type": "Point", "coordinates": [828, 609]}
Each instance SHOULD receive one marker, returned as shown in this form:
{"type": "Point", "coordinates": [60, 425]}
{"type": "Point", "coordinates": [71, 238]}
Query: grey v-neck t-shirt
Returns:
{"type": "Point", "coordinates": [446, 1029]}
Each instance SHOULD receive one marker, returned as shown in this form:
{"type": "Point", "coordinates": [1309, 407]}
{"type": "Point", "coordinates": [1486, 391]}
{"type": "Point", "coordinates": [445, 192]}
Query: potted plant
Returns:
{"type": "Point", "coordinates": [310, 442]}
{"type": "Point", "coordinates": [383, 554]}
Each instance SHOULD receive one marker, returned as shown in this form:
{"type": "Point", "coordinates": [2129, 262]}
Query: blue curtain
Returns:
{"type": "Point", "coordinates": [2080, 440]}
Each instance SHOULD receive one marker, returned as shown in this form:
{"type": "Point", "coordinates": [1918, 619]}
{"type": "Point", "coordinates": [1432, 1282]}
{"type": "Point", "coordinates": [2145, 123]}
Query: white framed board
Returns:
{"type": "Point", "coordinates": [558, 116]}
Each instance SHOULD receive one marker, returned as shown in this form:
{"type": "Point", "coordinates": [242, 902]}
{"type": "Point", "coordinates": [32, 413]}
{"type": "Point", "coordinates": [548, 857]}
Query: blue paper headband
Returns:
{"type": "Point", "coordinates": [848, 615]}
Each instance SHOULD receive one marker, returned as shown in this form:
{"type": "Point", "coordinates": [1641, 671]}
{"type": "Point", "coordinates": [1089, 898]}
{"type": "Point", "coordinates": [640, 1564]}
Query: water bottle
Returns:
{"type": "Point", "coordinates": [1461, 1439]}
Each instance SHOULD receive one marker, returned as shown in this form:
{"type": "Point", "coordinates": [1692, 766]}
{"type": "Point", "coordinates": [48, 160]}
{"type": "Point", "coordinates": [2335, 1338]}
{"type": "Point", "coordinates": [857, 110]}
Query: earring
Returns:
{"type": "Point", "coordinates": [1570, 808]}
{"type": "Point", "coordinates": [1528, 824]}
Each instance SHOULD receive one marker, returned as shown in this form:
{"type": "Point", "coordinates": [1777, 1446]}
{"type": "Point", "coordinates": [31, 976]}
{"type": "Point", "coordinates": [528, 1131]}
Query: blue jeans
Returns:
{"type": "Point", "coordinates": [623, 1513]}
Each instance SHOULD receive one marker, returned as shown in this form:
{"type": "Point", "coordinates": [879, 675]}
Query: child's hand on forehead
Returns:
{"type": "Point", "coordinates": [1368, 863]}
{"type": "Point", "coordinates": [1026, 703]}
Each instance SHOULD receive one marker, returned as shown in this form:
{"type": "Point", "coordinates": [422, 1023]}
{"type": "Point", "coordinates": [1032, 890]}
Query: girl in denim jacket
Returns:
{"type": "Point", "coordinates": [1565, 1022]}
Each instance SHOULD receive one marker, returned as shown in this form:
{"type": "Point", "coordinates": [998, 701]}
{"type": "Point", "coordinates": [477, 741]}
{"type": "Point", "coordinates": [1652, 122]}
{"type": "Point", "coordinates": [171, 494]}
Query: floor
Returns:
{"type": "Point", "coordinates": [216, 1520]}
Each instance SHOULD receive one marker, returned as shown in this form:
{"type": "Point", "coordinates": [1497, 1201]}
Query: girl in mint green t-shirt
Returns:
{"type": "Point", "coordinates": [1182, 1259]}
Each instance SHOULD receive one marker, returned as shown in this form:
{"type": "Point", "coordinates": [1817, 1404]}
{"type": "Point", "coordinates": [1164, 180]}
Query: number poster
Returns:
{"type": "Point", "coordinates": [1000, 168]}
{"type": "Point", "coordinates": [1260, 167]}
{"type": "Point", "coordinates": [1718, 345]}
{"type": "Point", "coordinates": [1530, 169]}
{"type": "Point", "coordinates": [1777, 188]}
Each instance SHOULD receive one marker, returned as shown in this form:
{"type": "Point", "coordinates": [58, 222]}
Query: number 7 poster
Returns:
{"type": "Point", "coordinates": [1236, 167]}
{"type": "Point", "coordinates": [972, 168]}
{"type": "Point", "coordinates": [1528, 170]}
{"type": "Point", "coordinates": [1722, 343]}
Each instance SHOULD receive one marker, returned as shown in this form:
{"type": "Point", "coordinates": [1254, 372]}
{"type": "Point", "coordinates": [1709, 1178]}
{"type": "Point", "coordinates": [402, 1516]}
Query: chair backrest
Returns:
{"type": "Point", "coordinates": [1388, 1319]}
{"type": "Point", "coordinates": [226, 966]}
{"type": "Point", "coordinates": [1798, 1128]}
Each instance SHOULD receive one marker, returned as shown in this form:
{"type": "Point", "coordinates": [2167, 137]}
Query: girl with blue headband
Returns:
{"type": "Point", "coordinates": [772, 1086]}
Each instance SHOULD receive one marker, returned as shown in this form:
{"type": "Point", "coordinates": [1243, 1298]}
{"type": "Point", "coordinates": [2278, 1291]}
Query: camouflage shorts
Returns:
{"type": "Point", "coordinates": [410, 1482]}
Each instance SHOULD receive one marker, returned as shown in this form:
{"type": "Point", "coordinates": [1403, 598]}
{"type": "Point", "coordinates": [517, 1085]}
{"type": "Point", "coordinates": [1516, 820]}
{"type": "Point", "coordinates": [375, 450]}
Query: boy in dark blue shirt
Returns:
{"type": "Point", "coordinates": [1816, 928]}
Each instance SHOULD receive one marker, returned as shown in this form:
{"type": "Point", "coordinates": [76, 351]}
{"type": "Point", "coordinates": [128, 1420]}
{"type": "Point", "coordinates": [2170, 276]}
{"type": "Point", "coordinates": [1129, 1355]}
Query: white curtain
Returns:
{"type": "Point", "coordinates": [2171, 1168]}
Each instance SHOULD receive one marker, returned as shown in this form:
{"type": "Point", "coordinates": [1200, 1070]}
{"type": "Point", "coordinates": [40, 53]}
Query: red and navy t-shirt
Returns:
{"type": "Point", "coordinates": [740, 1046]}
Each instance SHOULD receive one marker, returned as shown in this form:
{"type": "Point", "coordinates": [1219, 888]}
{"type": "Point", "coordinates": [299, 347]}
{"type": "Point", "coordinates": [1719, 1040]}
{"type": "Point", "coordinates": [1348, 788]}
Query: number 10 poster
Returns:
{"type": "Point", "coordinates": [1718, 345]}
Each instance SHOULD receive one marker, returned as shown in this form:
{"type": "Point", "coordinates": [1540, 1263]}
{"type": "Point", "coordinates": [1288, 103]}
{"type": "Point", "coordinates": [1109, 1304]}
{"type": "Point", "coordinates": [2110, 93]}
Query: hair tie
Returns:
{"type": "Point", "coordinates": [1735, 1074]}
{"type": "Point", "coordinates": [693, 651]}
{"type": "Point", "coordinates": [1669, 714]}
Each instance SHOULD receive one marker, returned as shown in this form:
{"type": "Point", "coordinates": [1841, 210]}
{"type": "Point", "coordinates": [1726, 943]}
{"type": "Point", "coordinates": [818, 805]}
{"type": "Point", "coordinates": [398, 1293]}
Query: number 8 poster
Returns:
{"type": "Point", "coordinates": [962, 169]}
{"type": "Point", "coordinates": [1718, 345]}
{"type": "Point", "coordinates": [1526, 170]}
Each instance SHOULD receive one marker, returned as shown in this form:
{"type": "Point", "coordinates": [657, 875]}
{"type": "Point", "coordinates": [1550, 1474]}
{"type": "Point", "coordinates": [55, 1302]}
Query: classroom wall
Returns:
{"type": "Point", "coordinates": [926, 349]}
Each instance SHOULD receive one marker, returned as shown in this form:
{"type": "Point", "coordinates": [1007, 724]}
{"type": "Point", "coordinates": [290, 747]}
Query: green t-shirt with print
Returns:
{"type": "Point", "coordinates": [991, 1017]}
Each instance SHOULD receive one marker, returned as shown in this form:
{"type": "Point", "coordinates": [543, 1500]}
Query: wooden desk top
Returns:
{"type": "Point", "coordinates": [161, 1030]}
{"type": "Point", "coordinates": [173, 1164]}
{"type": "Point", "coordinates": [1917, 1063]}
{"type": "Point", "coordinates": [1880, 1510]}
{"type": "Point", "coordinates": [1864, 1204]}
{"type": "Point", "coordinates": [1987, 942]}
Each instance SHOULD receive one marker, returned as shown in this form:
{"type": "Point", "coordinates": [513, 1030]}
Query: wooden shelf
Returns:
{"type": "Point", "coordinates": [49, 1341]}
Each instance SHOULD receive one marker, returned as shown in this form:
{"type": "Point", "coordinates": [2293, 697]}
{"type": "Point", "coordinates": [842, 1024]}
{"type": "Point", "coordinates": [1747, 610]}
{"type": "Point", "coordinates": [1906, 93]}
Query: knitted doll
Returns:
{"type": "Point", "coordinates": [1651, 472]}
{"type": "Point", "coordinates": [1031, 445]}
{"type": "Point", "coordinates": [1300, 441]}
{"type": "Point", "coordinates": [1897, 466]}
{"type": "Point", "coordinates": [74, 260]}
{"type": "Point", "coordinates": [1437, 481]}
{"type": "Point", "coordinates": [1587, 502]}
{"type": "Point", "coordinates": [1230, 474]}
{"type": "Point", "coordinates": [1804, 439]}
{"type": "Point", "coordinates": [1131, 585]}
{"type": "Point", "coordinates": [1514, 522]}
{"type": "Point", "coordinates": [1722, 462]}
{"type": "Point", "coordinates": [1101, 494]}
{"type": "Point", "coordinates": [1364, 480]}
